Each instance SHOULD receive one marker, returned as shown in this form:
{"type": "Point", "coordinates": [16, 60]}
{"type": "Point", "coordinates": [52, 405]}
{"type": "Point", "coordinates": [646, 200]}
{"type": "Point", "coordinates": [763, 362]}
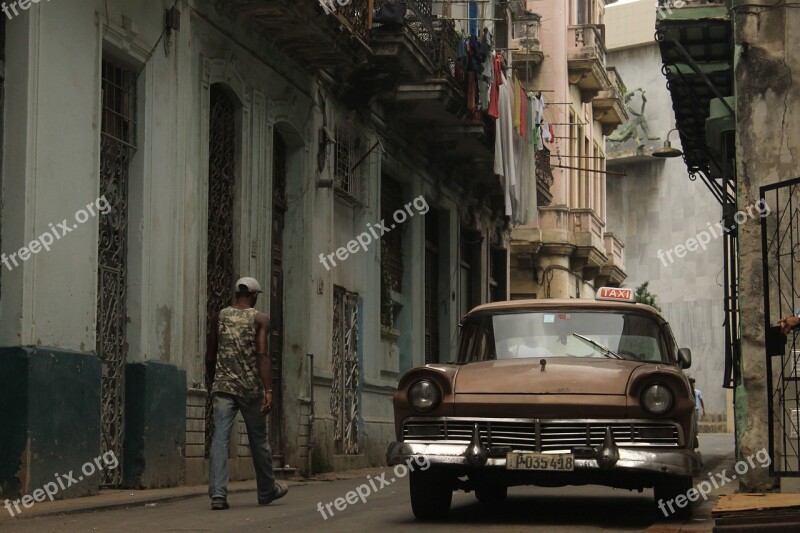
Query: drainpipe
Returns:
{"type": "Point", "coordinates": [311, 410]}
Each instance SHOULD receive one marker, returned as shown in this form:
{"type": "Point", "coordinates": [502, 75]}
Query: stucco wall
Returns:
{"type": "Point", "coordinates": [51, 162]}
{"type": "Point", "coordinates": [655, 207]}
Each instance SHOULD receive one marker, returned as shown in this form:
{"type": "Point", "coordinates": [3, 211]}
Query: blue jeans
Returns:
{"type": "Point", "coordinates": [225, 408]}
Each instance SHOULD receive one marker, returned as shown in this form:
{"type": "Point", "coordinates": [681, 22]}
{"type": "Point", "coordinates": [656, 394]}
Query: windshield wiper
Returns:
{"type": "Point", "coordinates": [606, 350]}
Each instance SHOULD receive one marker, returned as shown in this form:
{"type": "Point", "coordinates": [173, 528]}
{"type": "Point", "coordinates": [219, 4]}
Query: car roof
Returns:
{"type": "Point", "coordinates": [565, 305]}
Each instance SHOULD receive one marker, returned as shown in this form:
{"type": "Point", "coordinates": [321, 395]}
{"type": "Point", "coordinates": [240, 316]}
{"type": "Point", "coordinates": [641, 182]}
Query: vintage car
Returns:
{"type": "Point", "coordinates": [551, 393]}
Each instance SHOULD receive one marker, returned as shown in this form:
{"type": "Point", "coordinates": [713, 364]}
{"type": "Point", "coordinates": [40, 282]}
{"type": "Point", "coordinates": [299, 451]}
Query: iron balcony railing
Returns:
{"type": "Point", "coordinates": [446, 50]}
{"type": "Point", "coordinates": [358, 13]}
{"type": "Point", "coordinates": [419, 24]}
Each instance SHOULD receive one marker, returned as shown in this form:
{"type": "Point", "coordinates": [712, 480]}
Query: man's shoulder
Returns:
{"type": "Point", "coordinates": [261, 318]}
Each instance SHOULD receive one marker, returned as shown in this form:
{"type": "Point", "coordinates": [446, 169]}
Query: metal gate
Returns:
{"type": "Point", "coordinates": [221, 187]}
{"type": "Point", "coordinates": [346, 374]}
{"type": "Point", "coordinates": [117, 143]}
{"type": "Point", "coordinates": [780, 241]}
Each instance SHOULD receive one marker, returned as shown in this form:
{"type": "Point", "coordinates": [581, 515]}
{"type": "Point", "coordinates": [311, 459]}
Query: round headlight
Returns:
{"type": "Point", "coordinates": [424, 395]}
{"type": "Point", "coordinates": [657, 399]}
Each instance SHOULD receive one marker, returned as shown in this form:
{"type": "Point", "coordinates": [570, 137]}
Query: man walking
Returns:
{"type": "Point", "coordinates": [237, 365]}
{"type": "Point", "coordinates": [698, 402]}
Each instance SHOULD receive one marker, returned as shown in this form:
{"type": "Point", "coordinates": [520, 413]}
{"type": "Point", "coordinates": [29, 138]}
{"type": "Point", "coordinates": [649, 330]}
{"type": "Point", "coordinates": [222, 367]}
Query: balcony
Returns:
{"type": "Point", "coordinates": [612, 274]}
{"type": "Point", "coordinates": [406, 51]}
{"type": "Point", "coordinates": [590, 252]}
{"type": "Point", "coordinates": [435, 105]}
{"type": "Point", "coordinates": [437, 91]}
{"type": "Point", "coordinates": [526, 50]}
{"type": "Point", "coordinates": [608, 107]}
{"type": "Point", "coordinates": [586, 59]}
{"type": "Point", "coordinates": [544, 178]}
{"type": "Point", "coordinates": [302, 29]}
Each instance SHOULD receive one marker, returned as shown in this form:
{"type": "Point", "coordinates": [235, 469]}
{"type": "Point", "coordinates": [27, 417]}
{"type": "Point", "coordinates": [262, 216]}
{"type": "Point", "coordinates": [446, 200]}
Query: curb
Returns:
{"type": "Point", "coordinates": [141, 501]}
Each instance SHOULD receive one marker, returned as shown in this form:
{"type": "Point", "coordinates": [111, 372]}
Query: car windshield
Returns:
{"type": "Point", "coordinates": [613, 335]}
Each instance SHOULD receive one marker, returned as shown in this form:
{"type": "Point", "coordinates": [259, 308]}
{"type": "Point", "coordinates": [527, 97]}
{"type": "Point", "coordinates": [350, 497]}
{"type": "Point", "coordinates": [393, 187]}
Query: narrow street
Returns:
{"type": "Point", "coordinates": [527, 509]}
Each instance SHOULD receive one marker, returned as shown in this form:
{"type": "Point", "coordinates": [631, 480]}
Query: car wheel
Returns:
{"type": "Point", "coordinates": [666, 491]}
{"type": "Point", "coordinates": [490, 493]}
{"type": "Point", "coordinates": [431, 493]}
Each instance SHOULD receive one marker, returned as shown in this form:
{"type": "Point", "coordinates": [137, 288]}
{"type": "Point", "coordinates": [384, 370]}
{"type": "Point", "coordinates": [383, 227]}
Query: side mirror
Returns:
{"type": "Point", "coordinates": [684, 358]}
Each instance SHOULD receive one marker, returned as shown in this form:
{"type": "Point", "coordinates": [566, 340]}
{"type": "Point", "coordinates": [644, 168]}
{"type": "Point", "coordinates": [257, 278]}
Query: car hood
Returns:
{"type": "Point", "coordinates": [562, 375]}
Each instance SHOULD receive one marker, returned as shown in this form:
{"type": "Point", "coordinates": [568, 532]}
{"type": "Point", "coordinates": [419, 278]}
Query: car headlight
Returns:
{"type": "Point", "coordinates": [424, 395]}
{"type": "Point", "coordinates": [657, 399]}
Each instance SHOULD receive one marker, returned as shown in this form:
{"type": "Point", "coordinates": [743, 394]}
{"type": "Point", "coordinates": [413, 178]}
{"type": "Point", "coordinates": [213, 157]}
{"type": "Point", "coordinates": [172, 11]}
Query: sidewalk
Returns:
{"type": "Point", "coordinates": [110, 499]}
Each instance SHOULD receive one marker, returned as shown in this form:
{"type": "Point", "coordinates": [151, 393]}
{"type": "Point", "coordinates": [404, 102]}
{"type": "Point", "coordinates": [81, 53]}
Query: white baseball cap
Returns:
{"type": "Point", "coordinates": [251, 284]}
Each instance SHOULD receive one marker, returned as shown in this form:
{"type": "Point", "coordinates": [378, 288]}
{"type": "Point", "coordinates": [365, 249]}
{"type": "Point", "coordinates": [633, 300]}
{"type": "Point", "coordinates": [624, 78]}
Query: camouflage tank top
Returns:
{"type": "Point", "coordinates": [237, 370]}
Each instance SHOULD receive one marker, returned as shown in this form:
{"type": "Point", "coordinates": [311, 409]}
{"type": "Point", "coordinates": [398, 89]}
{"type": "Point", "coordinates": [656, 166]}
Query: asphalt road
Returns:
{"type": "Point", "coordinates": [526, 509]}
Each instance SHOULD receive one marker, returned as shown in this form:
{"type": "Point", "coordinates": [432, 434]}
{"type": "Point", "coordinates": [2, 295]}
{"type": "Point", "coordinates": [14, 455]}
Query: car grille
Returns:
{"type": "Point", "coordinates": [544, 435]}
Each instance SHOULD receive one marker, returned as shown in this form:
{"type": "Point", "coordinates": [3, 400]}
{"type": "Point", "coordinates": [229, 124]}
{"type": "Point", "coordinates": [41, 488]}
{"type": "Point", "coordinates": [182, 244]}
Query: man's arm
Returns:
{"type": "Point", "coordinates": [789, 323]}
{"type": "Point", "coordinates": [263, 359]}
{"type": "Point", "coordinates": [211, 350]}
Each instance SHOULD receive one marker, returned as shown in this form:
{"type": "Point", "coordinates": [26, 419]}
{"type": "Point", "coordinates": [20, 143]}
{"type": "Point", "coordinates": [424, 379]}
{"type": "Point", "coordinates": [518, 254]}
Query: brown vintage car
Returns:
{"type": "Point", "coordinates": [551, 393]}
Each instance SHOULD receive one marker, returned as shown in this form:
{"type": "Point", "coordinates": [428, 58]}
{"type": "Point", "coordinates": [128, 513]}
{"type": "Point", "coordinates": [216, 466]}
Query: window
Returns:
{"type": "Point", "coordinates": [117, 144]}
{"type": "Point", "coordinates": [573, 174]}
{"type": "Point", "coordinates": [470, 269]}
{"type": "Point", "coordinates": [349, 167]}
{"type": "Point", "coordinates": [497, 275]}
{"type": "Point", "coordinates": [391, 251]}
{"type": "Point", "coordinates": [631, 336]}
{"type": "Point", "coordinates": [432, 287]}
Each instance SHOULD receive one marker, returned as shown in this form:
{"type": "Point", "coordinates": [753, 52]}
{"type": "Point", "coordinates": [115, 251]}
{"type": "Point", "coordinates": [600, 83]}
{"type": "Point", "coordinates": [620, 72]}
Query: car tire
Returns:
{"type": "Point", "coordinates": [431, 493]}
{"type": "Point", "coordinates": [666, 490]}
{"type": "Point", "coordinates": [490, 493]}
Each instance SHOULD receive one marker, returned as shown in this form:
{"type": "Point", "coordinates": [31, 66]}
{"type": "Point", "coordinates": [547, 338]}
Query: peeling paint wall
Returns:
{"type": "Point", "coordinates": [767, 70]}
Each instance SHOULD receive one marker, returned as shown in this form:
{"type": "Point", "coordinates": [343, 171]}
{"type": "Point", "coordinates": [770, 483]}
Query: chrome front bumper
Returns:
{"type": "Point", "coordinates": [675, 462]}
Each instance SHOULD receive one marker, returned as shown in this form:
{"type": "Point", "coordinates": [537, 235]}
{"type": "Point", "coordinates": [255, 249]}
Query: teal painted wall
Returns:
{"type": "Point", "coordinates": [155, 425]}
{"type": "Point", "coordinates": [50, 417]}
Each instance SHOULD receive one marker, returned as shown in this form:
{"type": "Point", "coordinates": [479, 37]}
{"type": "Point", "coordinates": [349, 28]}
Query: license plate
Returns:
{"type": "Point", "coordinates": [564, 462]}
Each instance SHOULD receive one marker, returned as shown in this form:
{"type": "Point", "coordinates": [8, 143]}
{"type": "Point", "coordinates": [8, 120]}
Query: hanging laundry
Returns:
{"type": "Point", "coordinates": [487, 77]}
{"type": "Point", "coordinates": [473, 63]}
{"type": "Point", "coordinates": [494, 90]}
{"type": "Point", "coordinates": [472, 92]}
{"type": "Point", "coordinates": [486, 45]}
{"type": "Point", "coordinates": [531, 130]}
{"type": "Point", "coordinates": [539, 109]}
{"type": "Point", "coordinates": [504, 161]}
{"type": "Point", "coordinates": [523, 113]}
{"type": "Point", "coordinates": [461, 51]}
{"type": "Point", "coordinates": [545, 135]}
{"type": "Point", "coordinates": [517, 89]}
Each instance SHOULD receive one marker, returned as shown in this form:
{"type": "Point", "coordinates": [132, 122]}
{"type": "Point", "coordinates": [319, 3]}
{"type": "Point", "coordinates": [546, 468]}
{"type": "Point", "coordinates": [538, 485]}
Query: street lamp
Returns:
{"type": "Point", "coordinates": [667, 150]}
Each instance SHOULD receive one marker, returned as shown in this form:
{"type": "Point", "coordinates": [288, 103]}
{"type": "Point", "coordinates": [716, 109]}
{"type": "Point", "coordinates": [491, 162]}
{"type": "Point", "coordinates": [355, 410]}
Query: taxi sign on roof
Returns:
{"type": "Point", "coordinates": [615, 294]}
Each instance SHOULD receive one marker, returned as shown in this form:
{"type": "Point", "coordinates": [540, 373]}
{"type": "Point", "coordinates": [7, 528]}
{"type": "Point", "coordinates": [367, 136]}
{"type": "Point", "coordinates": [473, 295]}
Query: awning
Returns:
{"type": "Point", "coordinates": [696, 52]}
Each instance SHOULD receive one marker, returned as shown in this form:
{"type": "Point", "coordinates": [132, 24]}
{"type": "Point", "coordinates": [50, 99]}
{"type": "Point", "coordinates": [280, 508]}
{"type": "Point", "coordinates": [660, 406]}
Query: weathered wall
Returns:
{"type": "Point", "coordinates": [50, 415]}
{"type": "Point", "coordinates": [767, 75]}
{"type": "Point", "coordinates": [53, 87]}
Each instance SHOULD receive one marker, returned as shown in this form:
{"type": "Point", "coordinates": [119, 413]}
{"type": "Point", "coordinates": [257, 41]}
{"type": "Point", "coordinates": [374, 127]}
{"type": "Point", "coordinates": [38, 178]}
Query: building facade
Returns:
{"type": "Point", "coordinates": [732, 78]}
{"type": "Point", "coordinates": [570, 249]}
{"type": "Point", "coordinates": [655, 207]}
{"type": "Point", "coordinates": [154, 152]}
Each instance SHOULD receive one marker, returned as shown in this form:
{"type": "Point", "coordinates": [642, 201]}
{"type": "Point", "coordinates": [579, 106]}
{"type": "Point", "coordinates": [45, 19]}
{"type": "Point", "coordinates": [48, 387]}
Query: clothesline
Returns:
{"type": "Point", "coordinates": [591, 170]}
